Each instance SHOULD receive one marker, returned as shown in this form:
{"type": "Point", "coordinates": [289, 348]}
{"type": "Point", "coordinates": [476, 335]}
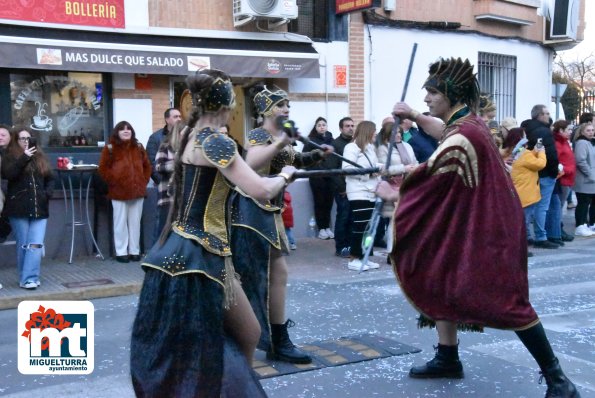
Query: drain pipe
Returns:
{"type": "Point", "coordinates": [325, 68]}
{"type": "Point", "coordinates": [370, 107]}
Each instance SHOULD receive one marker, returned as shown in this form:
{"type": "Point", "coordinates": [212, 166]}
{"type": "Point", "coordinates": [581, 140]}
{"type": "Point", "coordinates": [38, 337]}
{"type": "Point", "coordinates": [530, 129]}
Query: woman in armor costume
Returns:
{"type": "Point", "coordinates": [258, 235]}
{"type": "Point", "coordinates": [194, 333]}
{"type": "Point", "coordinates": [462, 191]}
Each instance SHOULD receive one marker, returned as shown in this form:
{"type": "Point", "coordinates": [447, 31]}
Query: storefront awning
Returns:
{"type": "Point", "coordinates": [28, 47]}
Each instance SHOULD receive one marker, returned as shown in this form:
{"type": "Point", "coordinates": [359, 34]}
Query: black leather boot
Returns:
{"type": "Point", "coordinates": [566, 237]}
{"type": "Point", "coordinates": [558, 385]}
{"type": "Point", "coordinates": [444, 364]}
{"type": "Point", "coordinates": [283, 349]}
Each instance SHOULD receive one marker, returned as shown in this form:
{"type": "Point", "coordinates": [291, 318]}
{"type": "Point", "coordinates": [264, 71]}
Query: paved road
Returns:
{"type": "Point", "coordinates": [327, 301]}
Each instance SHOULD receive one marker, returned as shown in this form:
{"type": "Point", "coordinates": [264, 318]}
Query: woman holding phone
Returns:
{"type": "Point", "coordinates": [30, 186]}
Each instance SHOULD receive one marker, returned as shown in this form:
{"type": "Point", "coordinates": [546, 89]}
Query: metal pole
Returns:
{"type": "Point", "coordinates": [368, 238]}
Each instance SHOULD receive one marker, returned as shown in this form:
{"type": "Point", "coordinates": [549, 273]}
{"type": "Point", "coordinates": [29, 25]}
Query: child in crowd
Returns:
{"type": "Point", "coordinates": [287, 214]}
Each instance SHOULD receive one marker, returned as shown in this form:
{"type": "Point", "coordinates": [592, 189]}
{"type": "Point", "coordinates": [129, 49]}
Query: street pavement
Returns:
{"type": "Point", "coordinates": [327, 301]}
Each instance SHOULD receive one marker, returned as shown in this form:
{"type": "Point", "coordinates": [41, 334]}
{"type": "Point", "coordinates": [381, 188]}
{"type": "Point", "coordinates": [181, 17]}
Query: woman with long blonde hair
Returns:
{"type": "Point", "coordinates": [361, 189]}
{"type": "Point", "coordinates": [195, 333]}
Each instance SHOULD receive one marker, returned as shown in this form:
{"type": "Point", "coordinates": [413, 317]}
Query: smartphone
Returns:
{"type": "Point", "coordinates": [32, 142]}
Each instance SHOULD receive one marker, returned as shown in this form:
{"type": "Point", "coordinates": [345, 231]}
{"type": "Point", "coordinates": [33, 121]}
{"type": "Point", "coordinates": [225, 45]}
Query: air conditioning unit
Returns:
{"type": "Point", "coordinates": [564, 19]}
{"type": "Point", "coordinates": [277, 12]}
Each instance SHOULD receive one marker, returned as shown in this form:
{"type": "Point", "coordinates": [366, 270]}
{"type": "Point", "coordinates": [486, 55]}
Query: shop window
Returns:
{"type": "Point", "coordinates": [64, 108]}
{"type": "Point", "coordinates": [177, 88]}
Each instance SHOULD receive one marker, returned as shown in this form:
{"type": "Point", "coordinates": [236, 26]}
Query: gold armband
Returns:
{"type": "Point", "coordinates": [413, 115]}
{"type": "Point", "coordinates": [286, 177]}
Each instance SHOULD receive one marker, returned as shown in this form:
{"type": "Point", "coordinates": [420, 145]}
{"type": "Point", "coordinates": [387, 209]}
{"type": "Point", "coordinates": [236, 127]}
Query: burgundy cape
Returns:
{"type": "Point", "coordinates": [460, 249]}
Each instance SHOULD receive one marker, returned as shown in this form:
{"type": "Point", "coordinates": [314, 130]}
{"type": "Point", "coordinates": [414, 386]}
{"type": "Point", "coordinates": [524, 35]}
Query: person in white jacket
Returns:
{"type": "Point", "coordinates": [402, 162]}
{"type": "Point", "coordinates": [361, 188]}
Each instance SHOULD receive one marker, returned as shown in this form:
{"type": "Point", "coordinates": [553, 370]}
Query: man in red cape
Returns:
{"type": "Point", "coordinates": [460, 251]}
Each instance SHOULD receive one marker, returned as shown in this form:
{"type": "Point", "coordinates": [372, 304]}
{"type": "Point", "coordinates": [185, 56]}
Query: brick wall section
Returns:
{"type": "Point", "coordinates": [186, 14]}
{"type": "Point", "coordinates": [159, 95]}
{"type": "Point", "coordinates": [356, 67]}
{"type": "Point", "coordinates": [206, 14]}
{"type": "Point", "coordinates": [464, 12]}
{"type": "Point", "coordinates": [160, 99]}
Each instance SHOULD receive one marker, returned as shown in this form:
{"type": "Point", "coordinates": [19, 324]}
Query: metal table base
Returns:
{"type": "Point", "coordinates": [76, 218]}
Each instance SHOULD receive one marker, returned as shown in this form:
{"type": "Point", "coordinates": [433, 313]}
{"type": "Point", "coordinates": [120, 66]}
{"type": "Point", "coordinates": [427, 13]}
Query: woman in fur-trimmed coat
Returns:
{"type": "Point", "coordinates": [125, 167]}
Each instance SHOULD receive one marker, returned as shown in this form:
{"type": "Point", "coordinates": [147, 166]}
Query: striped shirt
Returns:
{"type": "Point", "coordinates": [164, 165]}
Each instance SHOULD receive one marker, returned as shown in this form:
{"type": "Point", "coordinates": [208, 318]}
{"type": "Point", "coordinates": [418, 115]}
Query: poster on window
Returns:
{"type": "Point", "coordinates": [104, 13]}
{"type": "Point", "coordinates": [64, 109]}
{"type": "Point", "coordinates": [340, 76]}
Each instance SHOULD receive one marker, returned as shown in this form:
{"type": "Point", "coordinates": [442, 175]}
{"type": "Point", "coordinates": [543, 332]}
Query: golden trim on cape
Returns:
{"type": "Point", "coordinates": [456, 154]}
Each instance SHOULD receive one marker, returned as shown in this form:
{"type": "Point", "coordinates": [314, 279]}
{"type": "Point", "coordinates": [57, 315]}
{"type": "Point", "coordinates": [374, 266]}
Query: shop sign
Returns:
{"type": "Point", "coordinates": [104, 13]}
{"type": "Point", "coordinates": [126, 61]}
{"type": "Point", "coordinates": [345, 6]}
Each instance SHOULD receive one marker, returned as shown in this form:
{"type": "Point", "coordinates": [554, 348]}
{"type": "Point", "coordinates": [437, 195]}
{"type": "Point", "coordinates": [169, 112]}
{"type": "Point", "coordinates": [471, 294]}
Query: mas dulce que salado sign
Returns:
{"type": "Point", "coordinates": [104, 13]}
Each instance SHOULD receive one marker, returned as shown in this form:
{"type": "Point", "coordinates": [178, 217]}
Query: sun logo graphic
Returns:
{"type": "Point", "coordinates": [56, 337]}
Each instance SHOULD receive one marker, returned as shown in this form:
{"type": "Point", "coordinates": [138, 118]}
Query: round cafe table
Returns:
{"type": "Point", "coordinates": [74, 211]}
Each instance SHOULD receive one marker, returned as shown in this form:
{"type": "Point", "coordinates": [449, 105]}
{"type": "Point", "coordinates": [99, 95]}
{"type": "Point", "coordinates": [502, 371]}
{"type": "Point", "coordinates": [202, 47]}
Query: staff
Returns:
{"type": "Point", "coordinates": [335, 172]}
{"type": "Point", "coordinates": [291, 130]}
{"type": "Point", "coordinates": [368, 238]}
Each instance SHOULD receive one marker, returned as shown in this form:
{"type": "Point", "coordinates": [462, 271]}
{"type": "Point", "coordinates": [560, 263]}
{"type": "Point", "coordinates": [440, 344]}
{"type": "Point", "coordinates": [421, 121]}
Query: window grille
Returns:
{"type": "Point", "coordinates": [497, 78]}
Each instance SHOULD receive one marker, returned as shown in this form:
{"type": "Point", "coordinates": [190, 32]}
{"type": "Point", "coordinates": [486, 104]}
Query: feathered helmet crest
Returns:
{"type": "Point", "coordinates": [455, 79]}
{"type": "Point", "coordinates": [266, 99]}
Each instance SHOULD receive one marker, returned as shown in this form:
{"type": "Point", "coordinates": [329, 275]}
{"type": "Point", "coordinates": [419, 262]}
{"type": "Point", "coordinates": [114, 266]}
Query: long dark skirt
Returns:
{"type": "Point", "coordinates": [178, 346]}
{"type": "Point", "coordinates": [251, 254]}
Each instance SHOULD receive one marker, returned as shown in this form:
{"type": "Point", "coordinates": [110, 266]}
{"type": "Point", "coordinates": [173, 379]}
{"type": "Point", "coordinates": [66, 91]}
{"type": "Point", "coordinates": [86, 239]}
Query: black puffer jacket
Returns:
{"type": "Point", "coordinates": [335, 162]}
{"type": "Point", "coordinates": [320, 140]}
{"type": "Point", "coordinates": [536, 129]}
{"type": "Point", "coordinates": [28, 191]}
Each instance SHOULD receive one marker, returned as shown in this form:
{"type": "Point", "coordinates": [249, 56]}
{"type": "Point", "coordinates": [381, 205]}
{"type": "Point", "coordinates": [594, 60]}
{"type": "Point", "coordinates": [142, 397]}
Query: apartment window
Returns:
{"type": "Point", "coordinates": [318, 21]}
{"type": "Point", "coordinates": [497, 78]}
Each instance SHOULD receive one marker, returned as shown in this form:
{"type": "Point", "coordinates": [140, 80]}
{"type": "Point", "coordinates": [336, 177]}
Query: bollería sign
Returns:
{"type": "Point", "coordinates": [345, 6]}
{"type": "Point", "coordinates": [104, 13]}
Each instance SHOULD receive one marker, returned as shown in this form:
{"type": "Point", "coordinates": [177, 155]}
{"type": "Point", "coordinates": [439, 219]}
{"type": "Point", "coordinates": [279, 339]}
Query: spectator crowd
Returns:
{"type": "Point", "coordinates": [551, 164]}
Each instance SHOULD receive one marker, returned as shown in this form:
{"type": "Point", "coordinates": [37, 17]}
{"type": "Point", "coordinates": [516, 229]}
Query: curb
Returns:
{"type": "Point", "coordinates": [86, 293]}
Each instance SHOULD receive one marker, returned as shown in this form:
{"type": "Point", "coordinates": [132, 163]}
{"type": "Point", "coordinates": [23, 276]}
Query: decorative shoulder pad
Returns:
{"type": "Point", "coordinates": [259, 137]}
{"type": "Point", "coordinates": [219, 149]}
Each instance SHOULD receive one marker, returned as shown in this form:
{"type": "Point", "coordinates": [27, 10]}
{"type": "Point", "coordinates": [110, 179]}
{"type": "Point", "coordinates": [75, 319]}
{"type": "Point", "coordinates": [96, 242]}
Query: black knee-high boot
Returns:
{"type": "Point", "coordinates": [444, 364]}
{"type": "Point", "coordinates": [558, 385]}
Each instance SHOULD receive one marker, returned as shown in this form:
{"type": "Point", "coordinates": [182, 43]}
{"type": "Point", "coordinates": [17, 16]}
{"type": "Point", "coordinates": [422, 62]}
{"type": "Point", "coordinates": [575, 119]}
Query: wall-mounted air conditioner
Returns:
{"type": "Point", "coordinates": [564, 17]}
{"type": "Point", "coordinates": [277, 12]}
